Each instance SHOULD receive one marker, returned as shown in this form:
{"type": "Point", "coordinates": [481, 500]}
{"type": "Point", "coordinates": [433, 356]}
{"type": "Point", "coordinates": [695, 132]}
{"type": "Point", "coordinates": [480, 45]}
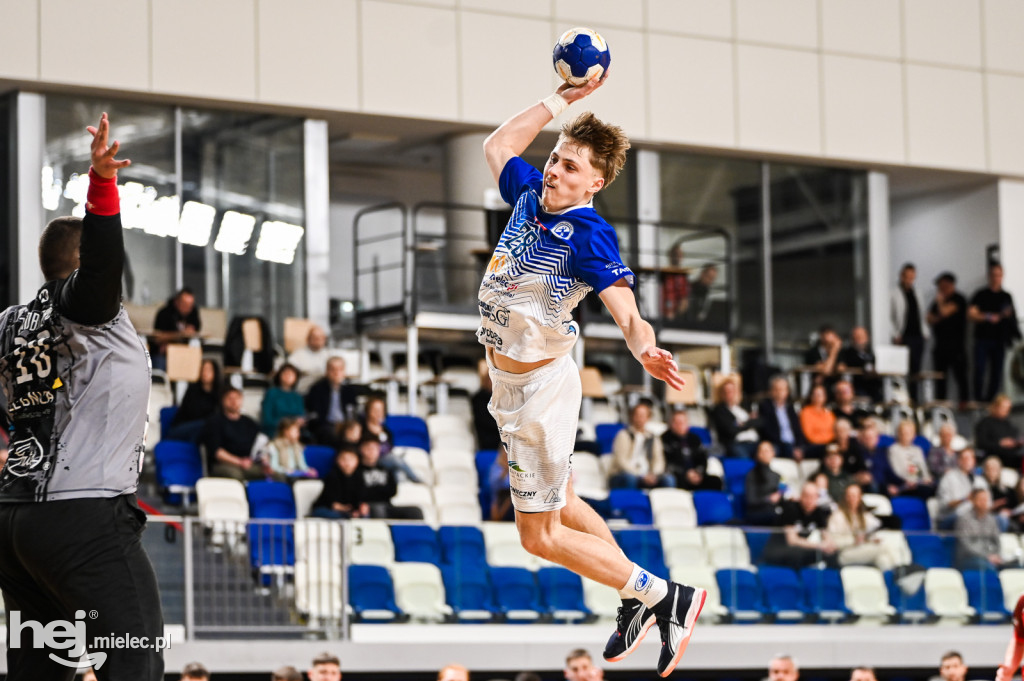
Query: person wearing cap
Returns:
{"type": "Point", "coordinates": [195, 671]}
{"type": "Point", "coordinates": [948, 318]}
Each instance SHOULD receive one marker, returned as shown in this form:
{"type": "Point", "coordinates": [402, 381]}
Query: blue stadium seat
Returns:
{"type": "Point", "coordinates": [909, 607]}
{"type": "Point", "coordinates": [703, 433]}
{"type": "Point", "coordinates": [562, 594]}
{"type": "Point", "coordinates": [643, 547]}
{"type": "Point", "coordinates": [178, 466]}
{"type": "Point", "coordinates": [416, 543]}
{"type": "Point", "coordinates": [462, 546]}
{"type": "Point", "coordinates": [166, 416]}
{"type": "Point", "coordinates": [631, 504]}
{"type": "Point", "coordinates": [271, 548]}
{"type": "Point", "coordinates": [270, 500]}
{"type": "Point", "coordinates": [320, 458]}
{"type": "Point", "coordinates": [371, 593]}
{"type": "Point", "coordinates": [756, 540]}
{"type": "Point", "coordinates": [713, 508]}
{"type": "Point", "coordinates": [736, 470]}
{"type": "Point", "coordinates": [783, 594]}
{"type": "Point", "coordinates": [468, 590]}
{"type": "Point", "coordinates": [913, 513]}
{"type": "Point", "coordinates": [928, 550]}
{"type": "Point", "coordinates": [605, 433]}
{"type": "Point", "coordinates": [985, 594]}
{"type": "Point", "coordinates": [741, 594]}
{"type": "Point", "coordinates": [516, 594]}
{"type": "Point", "coordinates": [409, 431]}
{"type": "Point", "coordinates": [824, 595]}
{"type": "Point", "coordinates": [484, 461]}
{"type": "Point", "coordinates": [924, 443]}
{"type": "Point", "coordinates": [884, 441]}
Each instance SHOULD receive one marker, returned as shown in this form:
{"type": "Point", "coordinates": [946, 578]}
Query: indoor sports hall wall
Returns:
{"type": "Point", "coordinates": [936, 83]}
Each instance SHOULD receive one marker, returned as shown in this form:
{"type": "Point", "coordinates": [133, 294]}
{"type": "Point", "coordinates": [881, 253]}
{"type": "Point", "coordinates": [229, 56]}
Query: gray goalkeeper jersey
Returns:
{"type": "Point", "coordinates": [76, 393]}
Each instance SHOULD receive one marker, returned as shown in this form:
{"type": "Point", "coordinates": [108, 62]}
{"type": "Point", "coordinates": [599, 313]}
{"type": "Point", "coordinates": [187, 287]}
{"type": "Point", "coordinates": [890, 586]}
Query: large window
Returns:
{"type": "Point", "coordinates": [7, 228]}
{"type": "Point", "coordinates": [212, 201]}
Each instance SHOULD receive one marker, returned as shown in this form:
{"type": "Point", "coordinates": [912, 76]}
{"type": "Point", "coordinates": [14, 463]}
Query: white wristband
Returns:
{"type": "Point", "coordinates": [555, 104]}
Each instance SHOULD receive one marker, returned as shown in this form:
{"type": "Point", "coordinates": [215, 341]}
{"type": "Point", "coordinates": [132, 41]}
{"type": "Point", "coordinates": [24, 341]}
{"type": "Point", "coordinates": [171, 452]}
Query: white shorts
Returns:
{"type": "Point", "coordinates": [537, 414]}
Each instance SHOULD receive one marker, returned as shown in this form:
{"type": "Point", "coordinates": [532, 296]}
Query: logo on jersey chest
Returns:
{"type": "Point", "coordinates": [563, 230]}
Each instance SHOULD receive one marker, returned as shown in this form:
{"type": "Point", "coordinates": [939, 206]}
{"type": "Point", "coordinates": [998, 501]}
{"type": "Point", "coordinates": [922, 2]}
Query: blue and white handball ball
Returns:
{"type": "Point", "coordinates": [581, 54]}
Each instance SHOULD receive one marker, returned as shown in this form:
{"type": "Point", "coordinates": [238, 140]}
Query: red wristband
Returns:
{"type": "Point", "coordinates": [103, 198]}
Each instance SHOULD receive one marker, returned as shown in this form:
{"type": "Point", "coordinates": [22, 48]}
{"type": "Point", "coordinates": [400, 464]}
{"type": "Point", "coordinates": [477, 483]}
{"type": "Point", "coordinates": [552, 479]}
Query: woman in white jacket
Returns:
{"type": "Point", "coordinates": [851, 527]}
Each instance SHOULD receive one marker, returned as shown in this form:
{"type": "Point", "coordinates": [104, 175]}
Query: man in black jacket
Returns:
{"type": "Point", "coordinates": [685, 457]}
{"type": "Point", "coordinates": [780, 424]}
{"type": "Point", "coordinates": [995, 328]}
{"type": "Point", "coordinates": [380, 485]}
{"type": "Point", "coordinates": [329, 402]}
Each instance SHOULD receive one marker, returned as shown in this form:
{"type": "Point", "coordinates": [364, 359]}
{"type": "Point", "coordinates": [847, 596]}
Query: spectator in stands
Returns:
{"type": "Point", "coordinates": [836, 478]}
{"type": "Point", "coordinates": [942, 457]}
{"type": "Point", "coordinates": [736, 431]}
{"type": "Point", "coordinates": [762, 488]}
{"type": "Point", "coordinates": [230, 438]}
{"type": "Point", "coordinates": [849, 450]}
{"type": "Point", "coordinates": [685, 457]}
{"type": "Point", "coordinates": [996, 434]}
{"type": "Point", "coordinates": [817, 423]}
{"type": "Point", "coordinates": [484, 426]}
{"type": "Point", "coordinates": [995, 327]}
{"type": "Point", "coordinates": [954, 491]}
{"type": "Point", "coordinates": [579, 666]}
{"type": "Point", "coordinates": [325, 667]}
{"type": "Point", "coordinates": [859, 357]}
{"type": "Point", "coordinates": [453, 672]}
{"type": "Point", "coordinates": [783, 668]}
{"type": "Point", "coordinates": [350, 432]}
{"type": "Point", "coordinates": [700, 294]}
{"type": "Point", "coordinates": [868, 462]}
{"type": "Point", "coordinates": [851, 527]}
{"type": "Point", "coordinates": [779, 422]}
{"type": "Point", "coordinates": [374, 423]}
{"type": "Point", "coordinates": [380, 484]}
{"type": "Point", "coordinates": [844, 406]}
{"type": "Point", "coordinates": [311, 360]}
{"type": "Point", "coordinates": [286, 673]}
{"type": "Point", "coordinates": [200, 402]}
{"type": "Point", "coordinates": [282, 399]}
{"type": "Point", "coordinates": [952, 667]}
{"type": "Point", "coordinates": [342, 495]}
{"type": "Point", "coordinates": [906, 461]}
{"type": "Point", "coordinates": [823, 357]}
{"type": "Point", "coordinates": [285, 451]}
{"type": "Point", "coordinates": [863, 674]}
{"type": "Point", "coordinates": [948, 319]}
{"type": "Point", "coordinates": [675, 286]}
{"type": "Point", "coordinates": [908, 320]}
{"type": "Point", "coordinates": [638, 460]}
{"type": "Point", "coordinates": [1002, 496]}
{"type": "Point", "coordinates": [329, 402]}
{"type": "Point", "coordinates": [1016, 506]}
{"type": "Point", "coordinates": [800, 519]}
{"type": "Point", "coordinates": [977, 535]}
{"type": "Point", "coordinates": [177, 321]}
{"type": "Point", "coordinates": [195, 671]}
{"type": "Point", "coordinates": [501, 494]}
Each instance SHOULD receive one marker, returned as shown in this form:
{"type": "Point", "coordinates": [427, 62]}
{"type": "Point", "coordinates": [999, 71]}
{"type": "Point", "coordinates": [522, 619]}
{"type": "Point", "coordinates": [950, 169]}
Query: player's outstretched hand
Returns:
{"type": "Point", "coordinates": [1003, 673]}
{"type": "Point", "coordinates": [659, 363]}
{"type": "Point", "coordinates": [103, 161]}
{"type": "Point", "coordinates": [571, 93]}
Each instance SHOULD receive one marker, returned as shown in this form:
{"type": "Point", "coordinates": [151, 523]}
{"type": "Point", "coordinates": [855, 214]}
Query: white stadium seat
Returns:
{"type": "Point", "coordinates": [1012, 581]}
{"type": "Point", "coordinates": [946, 594]}
{"type": "Point", "coordinates": [789, 471]}
{"type": "Point", "coordinates": [368, 542]}
{"type": "Point", "coordinates": [704, 577]}
{"type": "Point", "coordinates": [419, 591]}
{"type": "Point", "coordinates": [418, 460]}
{"type": "Point", "coordinates": [318, 590]}
{"type": "Point", "coordinates": [866, 593]}
{"type": "Point", "coordinates": [504, 548]}
{"type": "Point", "coordinates": [673, 507]}
{"type": "Point", "coordinates": [318, 540]}
{"type": "Point", "coordinates": [683, 547]}
{"type": "Point", "coordinates": [224, 510]}
{"type": "Point", "coordinates": [589, 481]}
{"type": "Point", "coordinates": [727, 547]}
{"type": "Point", "coordinates": [306, 492]}
{"type": "Point", "coordinates": [601, 600]}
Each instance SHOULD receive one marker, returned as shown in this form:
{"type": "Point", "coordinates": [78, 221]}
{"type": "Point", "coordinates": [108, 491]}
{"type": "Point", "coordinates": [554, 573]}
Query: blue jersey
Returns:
{"type": "Point", "coordinates": [543, 266]}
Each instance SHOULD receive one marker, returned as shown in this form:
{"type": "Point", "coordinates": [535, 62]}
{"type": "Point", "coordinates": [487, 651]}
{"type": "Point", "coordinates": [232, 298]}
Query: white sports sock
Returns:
{"type": "Point", "coordinates": [645, 587]}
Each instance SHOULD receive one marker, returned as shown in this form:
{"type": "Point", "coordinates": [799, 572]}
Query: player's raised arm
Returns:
{"type": "Point", "coordinates": [639, 335]}
{"type": "Point", "coordinates": [514, 135]}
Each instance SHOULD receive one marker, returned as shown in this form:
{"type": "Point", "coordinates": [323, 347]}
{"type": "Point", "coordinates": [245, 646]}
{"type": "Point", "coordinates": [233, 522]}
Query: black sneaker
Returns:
{"type": "Point", "coordinates": [631, 625]}
{"type": "Point", "coordinates": [682, 606]}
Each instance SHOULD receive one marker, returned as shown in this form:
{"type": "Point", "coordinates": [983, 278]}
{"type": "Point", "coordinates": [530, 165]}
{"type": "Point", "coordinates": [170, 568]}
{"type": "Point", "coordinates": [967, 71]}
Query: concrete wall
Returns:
{"type": "Point", "coordinates": [936, 83]}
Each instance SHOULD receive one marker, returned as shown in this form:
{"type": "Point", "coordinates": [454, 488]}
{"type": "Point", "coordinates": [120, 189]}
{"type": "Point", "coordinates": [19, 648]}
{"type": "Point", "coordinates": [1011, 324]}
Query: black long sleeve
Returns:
{"type": "Point", "coordinates": [92, 294]}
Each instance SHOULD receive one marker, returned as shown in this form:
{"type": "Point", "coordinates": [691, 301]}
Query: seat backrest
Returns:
{"type": "Point", "coordinates": [1012, 581]}
{"type": "Point", "coordinates": [913, 512]}
{"type": "Point", "coordinates": [504, 547]}
{"type": "Point", "coordinates": [269, 499]}
{"type": "Point", "coordinates": [306, 492]}
{"type": "Point", "coordinates": [221, 499]}
{"type": "Point", "coordinates": [631, 504]}
{"type": "Point", "coordinates": [878, 503]}
{"type": "Point", "coordinates": [984, 591]}
{"type": "Point", "coordinates": [369, 542]}
{"type": "Point", "coordinates": [416, 543]}
{"type": "Point", "coordinates": [713, 508]}
{"type": "Point", "coordinates": [928, 550]}
{"type": "Point", "coordinates": [371, 588]}
{"type": "Point", "coordinates": [409, 431]}
{"type": "Point", "coordinates": [460, 514]}
{"type": "Point", "coordinates": [419, 590]}
{"type": "Point", "coordinates": [318, 541]}
{"type": "Point", "coordinates": [736, 468]}
{"type": "Point", "coordinates": [320, 458]}
{"type": "Point", "coordinates": [515, 588]}
{"type": "Point", "coordinates": [560, 589]}
{"type": "Point", "coordinates": [418, 460]}
{"type": "Point", "coordinates": [740, 589]}
{"type": "Point", "coordinates": [412, 494]}
{"type": "Point", "coordinates": [945, 591]}
{"type": "Point", "coordinates": [865, 590]}
{"type": "Point", "coordinates": [782, 588]}
{"type": "Point", "coordinates": [823, 589]}
{"type": "Point", "coordinates": [606, 433]}
{"type": "Point", "coordinates": [441, 424]}
{"type": "Point", "coordinates": [896, 542]}
{"type": "Point", "coordinates": [462, 545]}
{"type": "Point", "coordinates": [467, 588]}
{"type": "Point", "coordinates": [788, 470]}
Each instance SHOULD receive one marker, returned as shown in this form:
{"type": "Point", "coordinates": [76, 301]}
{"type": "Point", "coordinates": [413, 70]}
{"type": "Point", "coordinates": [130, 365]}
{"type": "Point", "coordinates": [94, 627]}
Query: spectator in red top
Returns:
{"type": "Point", "coordinates": [1015, 649]}
{"type": "Point", "coordinates": [675, 286]}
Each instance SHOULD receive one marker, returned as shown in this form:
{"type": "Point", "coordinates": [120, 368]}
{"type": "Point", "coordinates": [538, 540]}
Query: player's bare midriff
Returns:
{"type": "Point", "coordinates": [512, 366]}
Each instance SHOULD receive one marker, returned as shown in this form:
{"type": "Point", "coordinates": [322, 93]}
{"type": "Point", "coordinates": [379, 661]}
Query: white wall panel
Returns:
{"type": "Point", "coordinates": [1004, 22]}
{"type": "Point", "coordinates": [867, 27]}
{"type": "Point", "coordinates": [529, 8]}
{"type": "Point", "coordinates": [863, 115]}
{"type": "Point", "coordinates": [943, 31]}
{"type": "Point", "coordinates": [789, 23]}
{"type": "Point", "coordinates": [408, 60]}
{"type": "Point", "coordinates": [606, 12]}
{"type": "Point", "coordinates": [205, 49]}
{"type": "Point", "coordinates": [945, 120]}
{"type": "Point", "coordinates": [1006, 124]}
{"type": "Point", "coordinates": [711, 18]}
{"type": "Point", "coordinates": [19, 40]}
{"type": "Point", "coordinates": [324, 73]}
{"type": "Point", "coordinates": [779, 108]}
{"type": "Point", "coordinates": [691, 91]}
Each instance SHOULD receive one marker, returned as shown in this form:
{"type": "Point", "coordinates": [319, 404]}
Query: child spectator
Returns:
{"type": "Point", "coordinates": [343, 494]}
{"type": "Point", "coordinates": [286, 451]}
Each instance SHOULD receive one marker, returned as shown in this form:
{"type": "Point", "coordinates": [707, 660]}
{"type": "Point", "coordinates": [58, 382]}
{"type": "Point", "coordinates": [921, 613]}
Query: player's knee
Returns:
{"type": "Point", "coordinates": [536, 542]}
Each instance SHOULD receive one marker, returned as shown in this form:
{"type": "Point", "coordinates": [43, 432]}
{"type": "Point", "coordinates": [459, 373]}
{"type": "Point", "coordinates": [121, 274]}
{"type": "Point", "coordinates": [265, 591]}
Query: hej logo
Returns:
{"type": "Point", "coordinates": [58, 635]}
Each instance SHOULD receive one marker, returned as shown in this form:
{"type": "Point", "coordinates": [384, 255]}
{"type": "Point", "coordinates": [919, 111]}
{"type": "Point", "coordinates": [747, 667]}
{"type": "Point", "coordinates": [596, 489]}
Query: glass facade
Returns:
{"type": "Point", "coordinates": [7, 214]}
{"type": "Point", "coordinates": [212, 201]}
